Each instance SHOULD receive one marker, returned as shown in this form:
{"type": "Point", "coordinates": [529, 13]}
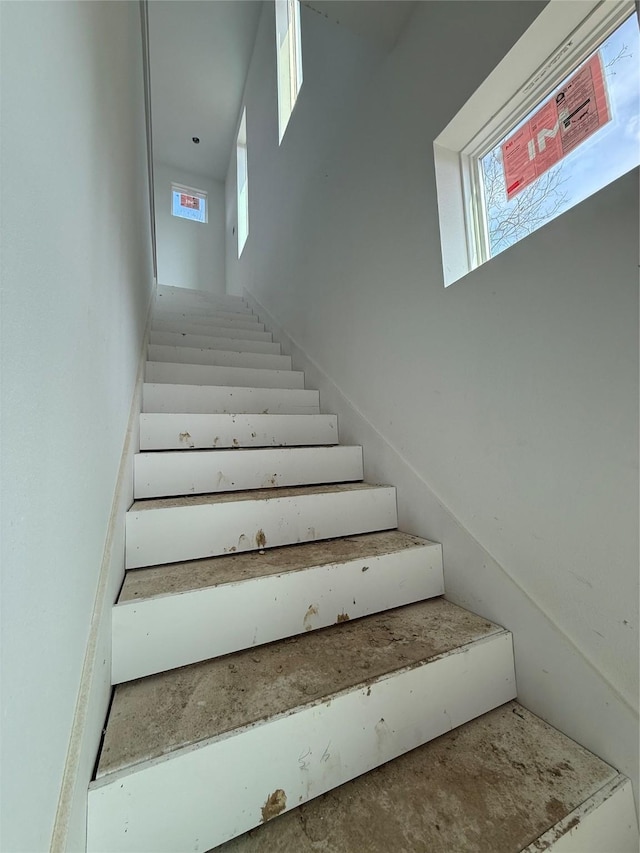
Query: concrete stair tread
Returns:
{"type": "Point", "coordinates": [493, 785]}
{"type": "Point", "coordinates": [250, 495]}
{"type": "Point", "coordinates": [154, 716]}
{"type": "Point", "coordinates": [175, 578]}
{"type": "Point", "coordinates": [202, 341]}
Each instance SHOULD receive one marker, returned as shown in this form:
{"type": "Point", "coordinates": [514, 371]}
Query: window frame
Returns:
{"type": "Point", "coordinates": [192, 191]}
{"type": "Point", "coordinates": [555, 44]}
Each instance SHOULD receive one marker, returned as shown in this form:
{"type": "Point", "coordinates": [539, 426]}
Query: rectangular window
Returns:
{"type": "Point", "coordinates": [188, 203]}
{"type": "Point", "coordinates": [289, 59]}
{"type": "Point", "coordinates": [242, 183]}
{"type": "Point", "coordinates": [571, 128]}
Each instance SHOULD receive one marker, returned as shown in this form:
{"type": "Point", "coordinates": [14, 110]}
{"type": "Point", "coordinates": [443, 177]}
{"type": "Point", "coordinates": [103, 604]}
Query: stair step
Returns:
{"type": "Point", "coordinates": [158, 475]}
{"type": "Point", "coordinates": [183, 431]}
{"type": "Point", "coordinates": [213, 330]}
{"type": "Point", "coordinates": [198, 313]}
{"type": "Point", "coordinates": [494, 785]}
{"type": "Point", "coordinates": [207, 342]}
{"type": "Point", "coordinates": [198, 755]}
{"type": "Point", "coordinates": [219, 358]}
{"type": "Point", "coordinates": [211, 399]}
{"type": "Point", "coordinates": [249, 323]}
{"type": "Point", "coordinates": [182, 296]}
{"type": "Point", "coordinates": [168, 530]}
{"type": "Point", "coordinates": [170, 616]}
{"type": "Point", "coordinates": [239, 377]}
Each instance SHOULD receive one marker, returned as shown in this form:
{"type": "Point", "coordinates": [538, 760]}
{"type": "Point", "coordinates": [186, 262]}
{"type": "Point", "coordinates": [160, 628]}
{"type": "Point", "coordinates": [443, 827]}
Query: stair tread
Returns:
{"type": "Point", "coordinates": [215, 571]}
{"type": "Point", "coordinates": [250, 495]}
{"type": "Point", "coordinates": [153, 716]}
{"type": "Point", "coordinates": [493, 785]}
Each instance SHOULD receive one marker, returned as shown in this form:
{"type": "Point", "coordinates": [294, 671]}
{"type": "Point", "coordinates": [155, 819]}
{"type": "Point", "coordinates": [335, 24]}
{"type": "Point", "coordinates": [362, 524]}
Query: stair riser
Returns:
{"type": "Point", "coordinates": [238, 377]}
{"type": "Point", "coordinates": [174, 630]}
{"type": "Point", "coordinates": [182, 432]}
{"type": "Point", "coordinates": [168, 398]}
{"type": "Point", "coordinates": [212, 330]}
{"type": "Point", "coordinates": [182, 296]}
{"type": "Point", "coordinates": [172, 534]}
{"type": "Point", "coordinates": [219, 358]}
{"type": "Point", "coordinates": [163, 474]}
{"type": "Point", "coordinates": [191, 313]}
{"type": "Point", "coordinates": [202, 796]}
{"type": "Point", "coordinates": [176, 318]}
{"type": "Point", "coordinates": [178, 339]}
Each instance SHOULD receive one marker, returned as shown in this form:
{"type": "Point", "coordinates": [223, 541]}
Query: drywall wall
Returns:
{"type": "Point", "coordinates": [504, 407]}
{"type": "Point", "coordinates": [190, 254]}
{"type": "Point", "coordinates": [76, 287]}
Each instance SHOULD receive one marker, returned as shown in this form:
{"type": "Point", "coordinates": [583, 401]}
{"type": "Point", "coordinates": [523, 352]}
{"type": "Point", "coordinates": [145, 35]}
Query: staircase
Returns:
{"type": "Point", "coordinates": [276, 638]}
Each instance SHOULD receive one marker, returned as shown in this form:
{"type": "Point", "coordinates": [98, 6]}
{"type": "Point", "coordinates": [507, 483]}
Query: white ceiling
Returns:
{"type": "Point", "coordinates": [199, 55]}
{"type": "Point", "coordinates": [200, 52]}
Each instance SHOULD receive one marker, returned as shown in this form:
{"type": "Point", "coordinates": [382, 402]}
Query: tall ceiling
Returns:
{"type": "Point", "coordinates": [199, 54]}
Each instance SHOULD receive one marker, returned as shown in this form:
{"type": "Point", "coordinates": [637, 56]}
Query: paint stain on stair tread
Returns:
{"type": "Point", "coordinates": [163, 712]}
{"type": "Point", "coordinates": [213, 571]}
{"type": "Point", "coordinates": [275, 804]}
{"type": "Point", "coordinates": [462, 791]}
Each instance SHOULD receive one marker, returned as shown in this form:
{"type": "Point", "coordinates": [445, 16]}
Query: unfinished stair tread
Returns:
{"type": "Point", "coordinates": [493, 785]}
{"type": "Point", "coordinates": [249, 495]}
{"type": "Point", "coordinates": [154, 716]}
{"type": "Point", "coordinates": [175, 578]}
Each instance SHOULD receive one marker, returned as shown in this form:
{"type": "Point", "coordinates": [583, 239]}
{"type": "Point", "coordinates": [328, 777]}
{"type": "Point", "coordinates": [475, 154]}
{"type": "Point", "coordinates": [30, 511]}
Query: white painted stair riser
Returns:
{"type": "Point", "coordinates": [201, 796]}
{"type": "Point", "coordinates": [171, 431]}
{"type": "Point", "coordinates": [211, 329]}
{"type": "Point", "coordinates": [240, 377]}
{"type": "Point", "coordinates": [169, 294]}
{"type": "Point", "coordinates": [218, 358]}
{"type": "Point", "coordinates": [168, 631]}
{"type": "Point", "coordinates": [203, 399]}
{"type": "Point", "coordinates": [172, 534]}
{"type": "Point", "coordinates": [178, 339]}
{"type": "Point", "coordinates": [209, 314]}
{"type": "Point", "coordinates": [158, 475]}
{"type": "Point", "coordinates": [175, 317]}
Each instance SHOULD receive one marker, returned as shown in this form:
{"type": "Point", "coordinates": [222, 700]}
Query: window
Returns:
{"type": "Point", "coordinates": [289, 59]}
{"type": "Point", "coordinates": [242, 183]}
{"type": "Point", "coordinates": [571, 128]}
{"type": "Point", "coordinates": [188, 203]}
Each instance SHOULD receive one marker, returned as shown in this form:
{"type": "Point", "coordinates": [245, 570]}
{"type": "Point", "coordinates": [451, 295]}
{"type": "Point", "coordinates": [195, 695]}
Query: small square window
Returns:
{"type": "Point", "coordinates": [188, 203]}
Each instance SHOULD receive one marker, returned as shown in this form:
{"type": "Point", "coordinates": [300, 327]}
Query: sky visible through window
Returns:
{"type": "Point", "coordinates": [612, 150]}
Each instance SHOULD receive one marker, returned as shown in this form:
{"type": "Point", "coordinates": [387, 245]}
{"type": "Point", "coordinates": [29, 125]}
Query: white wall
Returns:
{"type": "Point", "coordinates": [505, 407]}
{"type": "Point", "coordinates": [190, 254]}
{"type": "Point", "coordinates": [76, 285]}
